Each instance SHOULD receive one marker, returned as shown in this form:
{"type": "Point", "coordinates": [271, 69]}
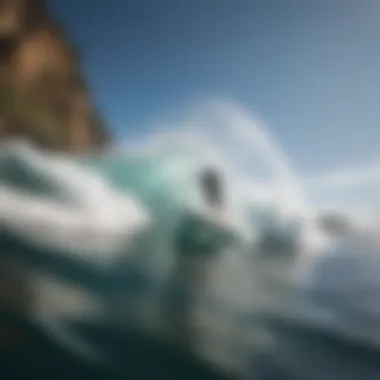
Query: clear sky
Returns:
{"type": "Point", "coordinates": [310, 68]}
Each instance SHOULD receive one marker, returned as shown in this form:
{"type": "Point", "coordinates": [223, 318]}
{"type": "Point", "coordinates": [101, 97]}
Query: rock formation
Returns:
{"type": "Point", "coordinates": [335, 224]}
{"type": "Point", "coordinates": [42, 93]}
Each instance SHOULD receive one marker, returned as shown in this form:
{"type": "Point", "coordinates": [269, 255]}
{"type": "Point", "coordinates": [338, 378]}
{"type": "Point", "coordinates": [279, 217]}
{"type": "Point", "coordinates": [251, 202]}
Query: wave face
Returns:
{"type": "Point", "coordinates": [258, 172]}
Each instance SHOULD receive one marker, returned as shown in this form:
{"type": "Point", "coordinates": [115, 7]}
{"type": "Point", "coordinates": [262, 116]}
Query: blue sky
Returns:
{"type": "Point", "coordinates": [310, 69]}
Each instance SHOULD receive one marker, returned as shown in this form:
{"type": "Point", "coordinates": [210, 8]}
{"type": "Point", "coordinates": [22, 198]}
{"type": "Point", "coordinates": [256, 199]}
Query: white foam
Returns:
{"type": "Point", "coordinates": [94, 220]}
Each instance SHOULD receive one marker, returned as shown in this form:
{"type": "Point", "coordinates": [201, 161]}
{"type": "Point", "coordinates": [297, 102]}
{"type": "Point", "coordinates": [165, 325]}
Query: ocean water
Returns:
{"type": "Point", "coordinates": [233, 290]}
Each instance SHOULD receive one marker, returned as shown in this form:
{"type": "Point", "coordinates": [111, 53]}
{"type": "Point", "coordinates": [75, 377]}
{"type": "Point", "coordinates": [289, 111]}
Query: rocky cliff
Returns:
{"type": "Point", "coordinates": [43, 95]}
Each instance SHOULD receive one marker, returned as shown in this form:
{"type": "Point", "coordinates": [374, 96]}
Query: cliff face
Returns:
{"type": "Point", "coordinates": [43, 95]}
